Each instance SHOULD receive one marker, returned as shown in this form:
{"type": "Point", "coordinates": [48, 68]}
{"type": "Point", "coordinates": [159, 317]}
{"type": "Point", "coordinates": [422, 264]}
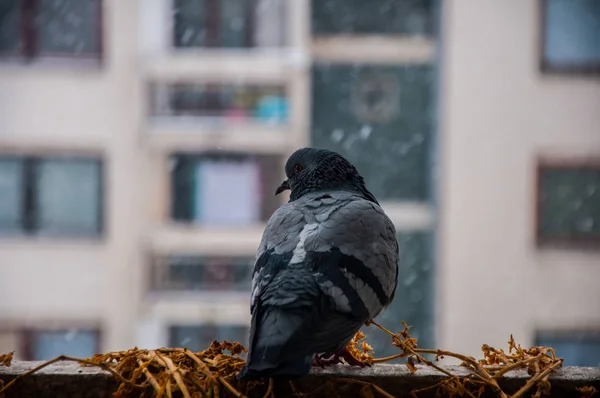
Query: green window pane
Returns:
{"type": "Point", "coordinates": [569, 203]}
{"type": "Point", "coordinates": [371, 17]}
{"type": "Point", "coordinates": [68, 199]}
{"type": "Point", "coordinates": [229, 23]}
{"type": "Point", "coordinates": [381, 119]}
{"type": "Point", "coordinates": [11, 195]}
{"type": "Point", "coordinates": [10, 29]}
{"type": "Point", "coordinates": [189, 19]}
{"type": "Point", "coordinates": [234, 23]}
{"type": "Point", "coordinates": [68, 27]}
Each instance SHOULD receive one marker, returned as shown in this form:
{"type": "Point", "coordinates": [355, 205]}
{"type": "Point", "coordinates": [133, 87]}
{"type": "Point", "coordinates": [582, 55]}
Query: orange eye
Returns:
{"type": "Point", "coordinates": [298, 168]}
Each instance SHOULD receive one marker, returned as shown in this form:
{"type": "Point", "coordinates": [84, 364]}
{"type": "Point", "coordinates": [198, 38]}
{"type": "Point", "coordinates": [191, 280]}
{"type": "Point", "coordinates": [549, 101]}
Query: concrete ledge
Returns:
{"type": "Point", "coordinates": [68, 379]}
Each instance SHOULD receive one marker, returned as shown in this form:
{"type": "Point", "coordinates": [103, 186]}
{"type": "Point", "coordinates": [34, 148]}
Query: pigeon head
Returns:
{"type": "Point", "coordinates": [317, 170]}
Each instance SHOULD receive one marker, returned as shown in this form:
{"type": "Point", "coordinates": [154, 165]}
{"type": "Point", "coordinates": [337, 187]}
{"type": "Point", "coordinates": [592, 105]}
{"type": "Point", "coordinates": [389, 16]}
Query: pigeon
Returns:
{"type": "Point", "coordinates": [327, 263]}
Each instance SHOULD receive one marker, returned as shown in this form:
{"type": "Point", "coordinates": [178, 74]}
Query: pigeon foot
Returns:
{"type": "Point", "coordinates": [329, 359]}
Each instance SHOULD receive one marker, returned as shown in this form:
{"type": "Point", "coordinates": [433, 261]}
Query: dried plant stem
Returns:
{"type": "Point", "coordinates": [197, 385]}
{"type": "Point", "coordinates": [66, 358]}
{"type": "Point", "coordinates": [391, 358]}
{"type": "Point", "coordinates": [502, 370]}
{"type": "Point", "coordinates": [293, 387]}
{"type": "Point", "coordinates": [169, 392]}
{"type": "Point", "coordinates": [149, 377]}
{"type": "Point", "coordinates": [366, 383]}
{"type": "Point", "coordinates": [205, 374]}
{"type": "Point", "coordinates": [270, 392]}
{"type": "Point", "coordinates": [436, 385]}
{"type": "Point", "coordinates": [191, 355]}
{"type": "Point", "coordinates": [6, 359]}
{"type": "Point", "coordinates": [216, 389]}
{"type": "Point", "coordinates": [372, 322]}
{"type": "Point", "coordinates": [228, 386]}
{"type": "Point", "coordinates": [176, 375]}
{"type": "Point", "coordinates": [531, 382]}
{"type": "Point", "coordinates": [479, 370]}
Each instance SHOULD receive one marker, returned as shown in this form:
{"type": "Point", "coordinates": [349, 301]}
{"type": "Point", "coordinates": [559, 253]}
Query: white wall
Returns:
{"type": "Point", "coordinates": [499, 114]}
{"type": "Point", "coordinates": [72, 107]}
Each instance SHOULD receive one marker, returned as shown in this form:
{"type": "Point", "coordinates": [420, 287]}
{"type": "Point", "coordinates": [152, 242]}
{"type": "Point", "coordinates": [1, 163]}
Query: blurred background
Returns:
{"type": "Point", "coordinates": [141, 142]}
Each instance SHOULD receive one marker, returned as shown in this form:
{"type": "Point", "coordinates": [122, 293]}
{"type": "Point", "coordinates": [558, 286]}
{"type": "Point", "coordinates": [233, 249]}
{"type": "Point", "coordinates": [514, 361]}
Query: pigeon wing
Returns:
{"type": "Point", "coordinates": [354, 254]}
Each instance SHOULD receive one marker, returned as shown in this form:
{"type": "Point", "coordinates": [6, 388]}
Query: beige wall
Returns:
{"type": "Point", "coordinates": [74, 107]}
{"type": "Point", "coordinates": [498, 114]}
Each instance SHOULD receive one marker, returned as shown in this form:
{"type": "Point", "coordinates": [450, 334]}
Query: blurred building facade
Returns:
{"type": "Point", "coordinates": [141, 143]}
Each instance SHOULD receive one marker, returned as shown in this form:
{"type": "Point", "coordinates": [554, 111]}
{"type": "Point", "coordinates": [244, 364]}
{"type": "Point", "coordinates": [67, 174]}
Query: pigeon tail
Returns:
{"type": "Point", "coordinates": [274, 350]}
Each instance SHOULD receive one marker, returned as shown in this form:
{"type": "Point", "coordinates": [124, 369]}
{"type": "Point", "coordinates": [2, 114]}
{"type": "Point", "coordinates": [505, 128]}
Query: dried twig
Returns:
{"type": "Point", "coordinates": [6, 359]}
{"type": "Point", "coordinates": [366, 383]}
{"type": "Point", "coordinates": [205, 373]}
{"type": "Point", "coordinates": [270, 392]}
{"type": "Point", "coordinates": [149, 377]}
{"type": "Point", "coordinates": [66, 358]}
{"type": "Point", "coordinates": [540, 360]}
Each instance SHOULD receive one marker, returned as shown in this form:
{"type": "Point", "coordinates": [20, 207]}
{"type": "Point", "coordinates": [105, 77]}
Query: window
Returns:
{"type": "Point", "coordinates": [224, 190]}
{"type": "Point", "coordinates": [571, 35]}
{"type": "Point", "coordinates": [568, 203]}
{"type": "Point", "coordinates": [42, 28]}
{"type": "Point", "coordinates": [43, 345]}
{"type": "Point", "coordinates": [199, 337]}
{"type": "Point", "coordinates": [576, 348]}
{"type": "Point", "coordinates": [381, 118]}
{"type": "Point", "coordinates": [229, 23]}
{"type": "Point", "coordinates": [359, 17]}
{"type": "Point", "coordinates": [267, 104]}
{"type": "Point", "coordinates": [50, 196]}
{"type": "Point", "coordinates": [185, 273]}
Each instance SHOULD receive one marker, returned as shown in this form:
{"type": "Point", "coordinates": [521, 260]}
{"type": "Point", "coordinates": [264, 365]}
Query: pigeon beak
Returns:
{"type": "Point", "coordinates": [285, 185]}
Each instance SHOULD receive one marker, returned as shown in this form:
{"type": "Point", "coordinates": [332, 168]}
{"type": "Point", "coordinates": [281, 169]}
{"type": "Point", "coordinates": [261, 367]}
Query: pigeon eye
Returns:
{"type": "Point", "coordinates": [298, 168]}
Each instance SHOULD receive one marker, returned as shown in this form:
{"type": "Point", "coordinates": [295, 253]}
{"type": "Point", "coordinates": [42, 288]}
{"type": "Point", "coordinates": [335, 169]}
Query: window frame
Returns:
{"type": "Point", "coordinates": [569, 334]}
{"type": "Point", "coordinates": [27, 338]}
{"type": "Point", "coordinates": [584, 69]}
{"type": "Point", "coordinates": [557, 163]}
{"type": "Point", "coordinates": [268, 203]}
{"type": "Point", "coordinates": [212, 22]}
{"type": "Point", "coordinates": [24, 335]}
{"type": "Point", "coordinates": [28, 192]}
{"type": "Point", "coordinates": [431, 29]}
{"type": "Point", "coordinates": [173, 326]}
{"type": "Point", "coordinates": [30, 51]}
{"type": "Point", "coordinates": [161, 284]}
{"type": "Point", "coordinates": [213, 91]}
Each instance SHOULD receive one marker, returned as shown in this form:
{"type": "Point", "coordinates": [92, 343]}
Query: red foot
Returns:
{"type": "Point", "coordinates": [329, 359]}
{"type": "Point", "coordinates": [349, 358]}
{"type": "Point", "coordinates": [326, 360]}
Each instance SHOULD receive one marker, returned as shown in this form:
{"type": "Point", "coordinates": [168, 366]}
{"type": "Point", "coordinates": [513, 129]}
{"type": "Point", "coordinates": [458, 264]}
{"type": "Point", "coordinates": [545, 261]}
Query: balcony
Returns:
{"type": "Point", "coordinates": [254, 40]}
{"type": "Point", "coordinates": [217, 116]}
{"type": "Point", "coordinates": [255, 65]}
{"type": "Point", "coordinates": [181, 238]}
